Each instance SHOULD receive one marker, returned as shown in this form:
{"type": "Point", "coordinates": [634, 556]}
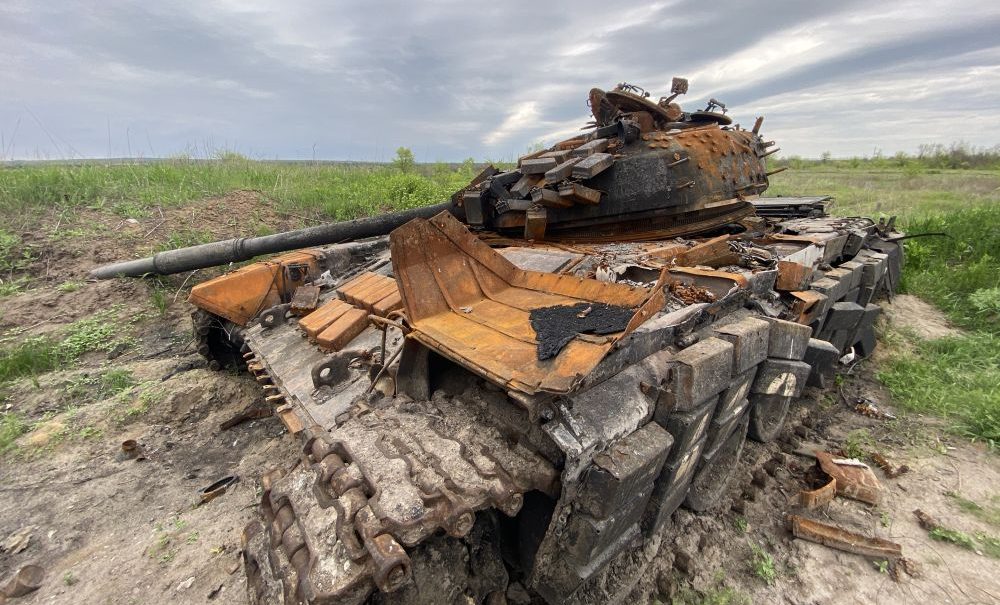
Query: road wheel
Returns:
{"type": "Point", "coordinates": [767, 416]}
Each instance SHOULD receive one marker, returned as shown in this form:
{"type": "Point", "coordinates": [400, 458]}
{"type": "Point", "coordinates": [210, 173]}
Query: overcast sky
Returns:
{"type": "Point", "coordinates": [355, 80]}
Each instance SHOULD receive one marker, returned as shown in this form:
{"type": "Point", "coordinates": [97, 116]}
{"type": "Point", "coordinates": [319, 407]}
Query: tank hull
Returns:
{"type": "Point", "coordinates": [467, 438]}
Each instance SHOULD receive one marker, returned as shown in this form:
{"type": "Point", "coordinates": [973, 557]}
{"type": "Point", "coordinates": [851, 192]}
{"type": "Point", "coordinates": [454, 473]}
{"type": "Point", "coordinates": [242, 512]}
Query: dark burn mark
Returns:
{"type": "Point", "coordinates": [556, 326]}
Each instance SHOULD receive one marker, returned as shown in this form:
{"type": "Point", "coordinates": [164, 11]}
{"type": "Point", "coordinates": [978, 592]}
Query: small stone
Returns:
{"type": "Point", "coordinates": [759, 478]}
{"type": "Point", "coordinates": [117, 350]}
{"type": "Point", "coordinates": [185, 584]}
{"type": "Point", "coordinates": [517, 595]}
{"type": "Point", "coordinates": [683, 561]}
{"type": "Point", "coordinates": [665, 584]}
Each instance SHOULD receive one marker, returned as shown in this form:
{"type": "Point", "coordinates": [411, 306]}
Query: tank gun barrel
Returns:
{"type": "Point", "coordinates": [245, 248]}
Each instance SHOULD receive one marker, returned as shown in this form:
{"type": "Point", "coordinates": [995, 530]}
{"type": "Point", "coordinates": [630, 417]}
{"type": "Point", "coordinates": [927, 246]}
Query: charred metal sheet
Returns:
{"type": "Point", "coordinates": [854, 479]}
{"type": "Point", "coordinates": [842, 539]}
{"type": "Point", "coordinates": [793, 207]}
{"type": "Point", "coordinates": [556, 326]}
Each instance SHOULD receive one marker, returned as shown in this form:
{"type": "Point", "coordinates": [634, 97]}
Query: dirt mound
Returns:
{"type": "Point", "coordinates": [63, 251]}
{"type": "Point", "coordinates": [68, 248]}
{"type": "Point", "coordinates": [113, 530]}
{"type": "Point", "coordinates": [43, 309]}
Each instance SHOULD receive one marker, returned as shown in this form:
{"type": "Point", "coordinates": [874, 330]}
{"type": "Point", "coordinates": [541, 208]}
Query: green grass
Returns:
{"type": "Point", "coordinates": [859, 443]}
{"type": "Point", "coordinates": [957, 378]}
{"type": "Point", "coordinates": [989, 513]}
{"type": "Point", "coordinates": [30, 357]}
{"type": "Point", "coordinates": [149, 394]}
{"type": "Point", "coordinates": [131, 190]}
{"type": "Point", "coordinates": [961, 273]}
{"type": "Point", "coordinates": [69, 286]}
{"type": "Point", "coordinates": [40, 354]}
{"type": "Point", "coordinates": [722, 595]}
{"type": "Point", "coordinates": [888, 192]}
{"type": "Point", "coordinates": [12, 426]}
{"type": "Point", "coordinates": [978, 542]}
{"type": "Point", "coordinates": [116, 381]}
{"type": "Point", "coordinates": [12, 286]}
{"type": "Point", "coordinates": [761, 563]}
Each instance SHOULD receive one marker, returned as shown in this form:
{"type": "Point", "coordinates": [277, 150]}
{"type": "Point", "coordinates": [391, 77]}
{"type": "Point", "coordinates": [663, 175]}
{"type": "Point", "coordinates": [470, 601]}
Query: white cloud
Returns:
{"type": "Point", "coordinates": [521, 118]}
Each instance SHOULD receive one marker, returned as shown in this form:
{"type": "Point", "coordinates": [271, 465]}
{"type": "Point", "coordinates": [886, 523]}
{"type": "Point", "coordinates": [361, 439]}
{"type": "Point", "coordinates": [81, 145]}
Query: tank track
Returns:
{"type": "Point", "coordinates": [392, 477]}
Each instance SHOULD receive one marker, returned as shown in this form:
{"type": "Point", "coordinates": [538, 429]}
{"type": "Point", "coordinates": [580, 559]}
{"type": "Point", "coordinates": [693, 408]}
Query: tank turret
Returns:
{"type": "Point", "coordinates": [641, 171]}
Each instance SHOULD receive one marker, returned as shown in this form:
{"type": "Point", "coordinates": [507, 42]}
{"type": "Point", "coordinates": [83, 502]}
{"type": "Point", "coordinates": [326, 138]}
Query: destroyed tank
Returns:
{"type": "Point", "coordinates": [506, 396]}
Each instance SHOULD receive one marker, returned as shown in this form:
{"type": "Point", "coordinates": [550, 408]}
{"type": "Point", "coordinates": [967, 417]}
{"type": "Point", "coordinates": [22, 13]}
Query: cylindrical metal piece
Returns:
{"type": "Point", "coordinates": [241, 249]}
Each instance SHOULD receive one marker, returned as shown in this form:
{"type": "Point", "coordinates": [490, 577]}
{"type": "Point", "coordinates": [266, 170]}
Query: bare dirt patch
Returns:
{"type": "Point", "coordinates": [907, 312]}
{"type": "Point", "coordinates": [109, 530]}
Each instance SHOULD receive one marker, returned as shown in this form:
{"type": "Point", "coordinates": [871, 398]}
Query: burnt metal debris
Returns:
{"type": "Point", "coordinates": [443, 457]}
{"type": "Point", "coordinates": [556, 326]}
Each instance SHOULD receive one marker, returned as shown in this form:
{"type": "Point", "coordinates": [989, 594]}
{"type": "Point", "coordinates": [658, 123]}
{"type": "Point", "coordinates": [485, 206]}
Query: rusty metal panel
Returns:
{"type": "Point", "coordinates": [472, 305]}
{"type": "Point", "coordinates": [792, 276]}
{"type": "Point", "coordinates": [841, 539]}
{"type": "Point", "coordinates": [305, 300]}
{"type": "Point", "coordinates": [239, 296]}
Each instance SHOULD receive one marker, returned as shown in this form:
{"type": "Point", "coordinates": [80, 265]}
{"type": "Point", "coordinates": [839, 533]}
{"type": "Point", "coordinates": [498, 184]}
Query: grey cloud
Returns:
{"type": "Point", "coordinates": [456, 79]}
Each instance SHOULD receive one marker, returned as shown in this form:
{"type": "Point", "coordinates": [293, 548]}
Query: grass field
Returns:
{"type": "Point", "coordinates": [957, 378]}
{"type": "Point", "coordinates": [131, 191]}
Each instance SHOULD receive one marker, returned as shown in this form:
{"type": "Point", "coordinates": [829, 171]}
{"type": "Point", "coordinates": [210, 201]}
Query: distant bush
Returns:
{"type": "Point", "coordinates": [404, 161]}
